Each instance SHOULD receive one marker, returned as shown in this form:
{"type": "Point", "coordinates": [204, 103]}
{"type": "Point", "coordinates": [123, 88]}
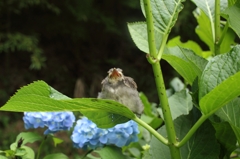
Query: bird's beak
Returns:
{"type": "Point", "coordinates": [115, 74]}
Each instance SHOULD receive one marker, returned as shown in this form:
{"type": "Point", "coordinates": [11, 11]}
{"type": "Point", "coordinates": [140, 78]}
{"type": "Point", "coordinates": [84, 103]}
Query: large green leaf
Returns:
{"type": "Point", "coordinates": [138, 32]}
{"type": "Point", "coordinates": [185, 62]}
{"type": "Point", "coordinates": [165, 13]}
{"type": "Point", "coordinates": [180, 104]}
{"type": "Point", "coordinates": [111, 153]}
{"type": "Point", "coordinates": [204, 30]}
{"type": "Point", "coordinates": [232, 15]}
{"type": "Point", "coordinates": [218, 69]}
{"type": "Point", "coordinates": [230, 113]}
{"type": "Point", "coordinates": [40, 97]}
{"type": "Point", "coordinates": [225, 137]}
{"type": "Point", "coordinates": [221, 95]}
{"type": "Point", "coordinates": [202, 144]}
{"type": "Point", "coordinates": [206, 20]}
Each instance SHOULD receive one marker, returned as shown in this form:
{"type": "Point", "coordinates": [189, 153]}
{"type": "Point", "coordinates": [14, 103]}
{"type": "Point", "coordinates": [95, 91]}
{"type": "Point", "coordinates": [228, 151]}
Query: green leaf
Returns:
{"type": "Point", "coordinates": [180, 104]}
{"type": "Point", "coordinates": [188, 45]}
{"type": "Point", "coordinates": [3, 157]}
{"type": "Point", "coordinates": [230, 113]}
{"type": "Point", "coordinates": [185, 62]}
{"type": "Point", "coordinates": [204, 30]}
{"type": "Point", "coordinates": [56, 141]}
{"type": "Point", "coordinates": [202, 144]}
{"type": "Point", "coordinates": [28, 137]}
{"type": "Point", "coordinates": [39, 97]}
{"type": "Point", "coordinates": [165, 14]}
{"type": "Point", "coordinates": [111, 152]}
{"type": "Point", "coordinates": [232, 15]}
{"type": "Point", "coordinates": [221, 95]}
{"type": "Point", "coordinates": [219, 69]}
{"type": "Point", "coordinates": [226, 137]}
{"type": "Point", "coordinates": [56, 156]}
{"type": "Point", "coordinates": [138, 32]}
{"type": "Point", "coordinates": [29, 152]}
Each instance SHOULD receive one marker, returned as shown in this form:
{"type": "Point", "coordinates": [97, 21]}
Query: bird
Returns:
{"type": "Point", "coordinates": [122, 89]}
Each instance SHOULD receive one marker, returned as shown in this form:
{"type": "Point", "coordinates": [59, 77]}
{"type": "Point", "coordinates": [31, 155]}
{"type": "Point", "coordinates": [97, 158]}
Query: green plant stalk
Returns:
{"type": "Point", "coordinates": [151, 130]}
{"type": "Point", "coordinates": [223, 33]}
{"type": "Point", "coordinates": [40, 147]}
{"type": "Point", "coordinates": [192, 130]}
{"type": "Point", "coordinates": [172, 140]}
{"type": "Point", "coordinates": [217, 28]}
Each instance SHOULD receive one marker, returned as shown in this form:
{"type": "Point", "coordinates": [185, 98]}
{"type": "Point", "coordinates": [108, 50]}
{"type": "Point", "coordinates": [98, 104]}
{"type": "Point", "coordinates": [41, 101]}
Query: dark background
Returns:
{"type": "Point", "coordinates": [74, 41]}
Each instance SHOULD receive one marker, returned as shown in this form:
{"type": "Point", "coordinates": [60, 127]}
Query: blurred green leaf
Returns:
{"type": "Point", "coordinates": [185, 62]}
{"type": "Point", "coordinates": [28, 137]}
{"type": "Point", "coordinates": [225, 136]}
{"type": "Point", "coordinates": [232, 14]}
{"type": "Point", "coordinates": [56, 156]}
{"type": "Point", "coordinates": [203, 141]}
{"type": "Point", "coordinates": [230, 113]}
{"type": "Point", "coordinates": [38, 97]}
{"type": "Point", "coordinates": [204, 30]}
{"type": "Point", "coordinates": [188, 45]}
{"type": "Point", "coordinates": [111, 152]}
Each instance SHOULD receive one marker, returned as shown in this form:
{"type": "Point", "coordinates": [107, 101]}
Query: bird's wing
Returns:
{"type": "Point", "coordinates": [128, 81]}
{"type": "Point", "coordinates": [104, 80]}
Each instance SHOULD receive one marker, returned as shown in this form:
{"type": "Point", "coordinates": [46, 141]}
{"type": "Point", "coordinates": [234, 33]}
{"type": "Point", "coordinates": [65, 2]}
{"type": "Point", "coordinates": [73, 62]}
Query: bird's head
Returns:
{"type": "Point", "coordinates": [115, 75]}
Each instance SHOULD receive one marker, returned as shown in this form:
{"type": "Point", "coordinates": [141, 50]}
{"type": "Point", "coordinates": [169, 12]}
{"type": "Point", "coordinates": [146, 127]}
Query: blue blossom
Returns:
{"type": "Point", "coordinates": [87, 135]}
{"type": "Point", "coordinates": [55, 121]}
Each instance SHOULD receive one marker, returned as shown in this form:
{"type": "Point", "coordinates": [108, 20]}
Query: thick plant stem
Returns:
{"type": "Point", "coordinates": [151, 130]}
{"type": "Point", "coordinates": [217, 28]}
{"type": "Point", "coordinates": [172, 140]}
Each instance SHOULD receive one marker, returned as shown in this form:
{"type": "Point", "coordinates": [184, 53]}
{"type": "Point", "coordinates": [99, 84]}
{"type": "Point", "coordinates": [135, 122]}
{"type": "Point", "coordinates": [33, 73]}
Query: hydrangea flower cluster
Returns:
{"type": "Point", "coordinates": [87, 135]}
{"type": "Point", "coordinates": [55, 121]}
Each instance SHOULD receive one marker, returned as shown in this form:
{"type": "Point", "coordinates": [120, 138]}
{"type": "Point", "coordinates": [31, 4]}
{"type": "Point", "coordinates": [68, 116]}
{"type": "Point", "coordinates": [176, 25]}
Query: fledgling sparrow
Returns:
{"type": "Point", "coordinates": [122, 89]}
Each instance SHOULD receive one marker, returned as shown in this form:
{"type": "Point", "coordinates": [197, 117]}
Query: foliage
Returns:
{"type": "Point", "coordinates": [201, 121]}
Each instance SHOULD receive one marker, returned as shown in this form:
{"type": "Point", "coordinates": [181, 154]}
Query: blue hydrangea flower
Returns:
{"type": "Point", "coordinates": [55, 121]}
{"type": "Point", "coordinates": [87, 135]}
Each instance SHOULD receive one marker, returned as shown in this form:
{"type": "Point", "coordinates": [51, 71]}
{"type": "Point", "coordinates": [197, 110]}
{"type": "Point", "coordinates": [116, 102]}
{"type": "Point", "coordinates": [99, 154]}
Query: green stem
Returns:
{"type": "Point", "coordinates": [217, 28]}
{"type": "Point", "coordinates": [150, 29]}
{"type": "Point", "coordinates": [193, 129]}
{"type": "Point", "coordinates": [40, 147]}
{"type": "Point", "coordinates": [163, 43]}
{"type": "Point", "coordinates": [172, 139]}
{"type": "Point", "coordinates": [223, 33]}
{"type": "Point", "coordinates": [151, 130]}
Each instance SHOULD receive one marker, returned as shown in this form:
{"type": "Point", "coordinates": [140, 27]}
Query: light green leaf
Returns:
{"type": "Point", "coordinates": [232, 15]}
{"type": "Point", "coordinates": [204, 30]}
{"type": "Point", "coordinates": [111, 152]}
{"type": "Point", "coordinates": [138, 32]}
{"type": "Point", "coordinates": [221, 95]}
{"type": "Point", "coordinates": [185, 62]}
{"type": "Point", "coordinates": [40, 97]}
{"type": "Point", "coordinates": [188, 45]}
{"type": "Point", "coordinates": [29, 152]}
{"type": "Point", "coordinates": [219, 69]}
{"type": "Point", "coordinates": [230, 113]}
{"type": "Point", "coordinates": [203, 141]}
{"type": "Point", "coordinates": [56, 156]}
{"type": "Point", "coordinates": [28, 137]}
{"type": "Point", "coordinates": [225, 136]}
{"type": "Point", "coordinates": [180, 104]}
{"type": "Point", "coordinates": [165, 14]}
